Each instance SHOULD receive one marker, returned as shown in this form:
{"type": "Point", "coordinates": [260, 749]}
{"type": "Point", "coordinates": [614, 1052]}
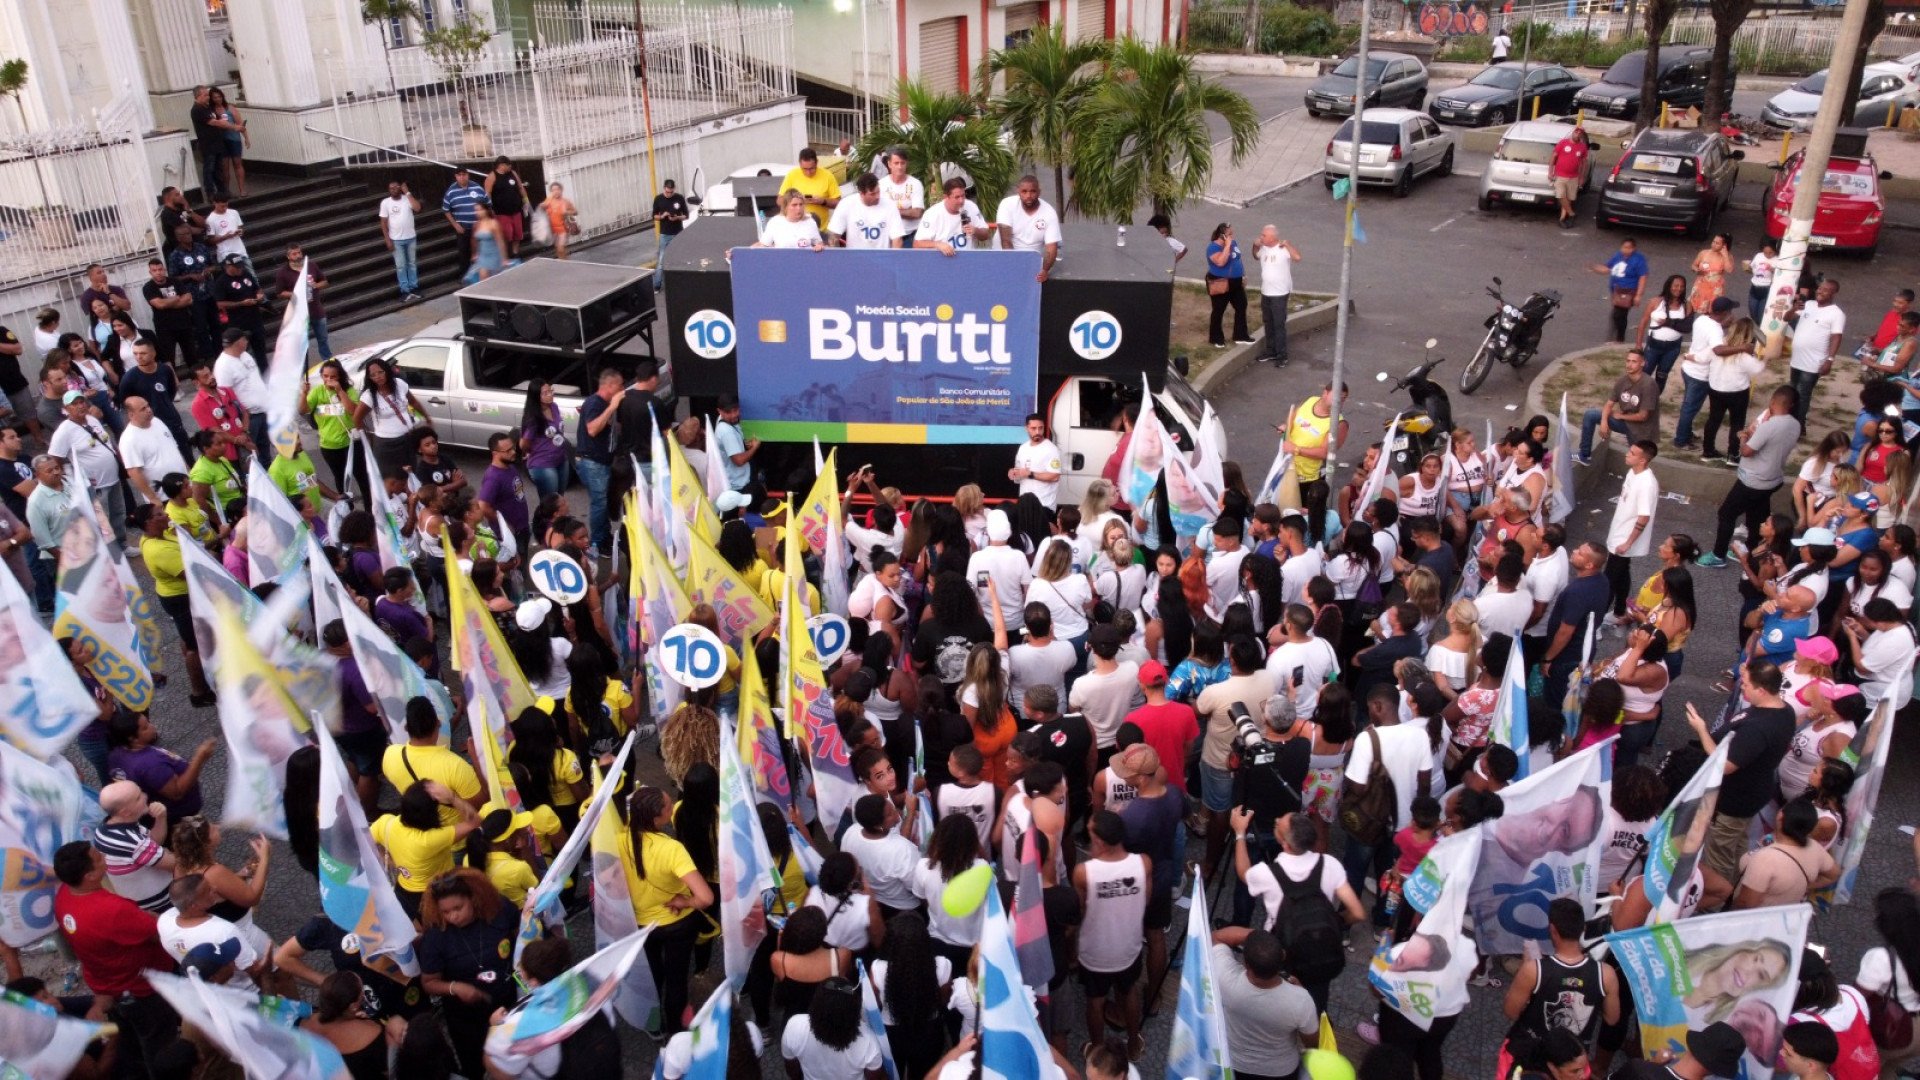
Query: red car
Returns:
{"type": "Point", "coordinates": [1851, 205]}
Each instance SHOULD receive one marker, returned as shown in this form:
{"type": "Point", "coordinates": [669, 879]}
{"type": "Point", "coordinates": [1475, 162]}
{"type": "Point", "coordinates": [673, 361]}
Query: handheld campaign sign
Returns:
{"type": "Point", "coordinates": [558, 577]}
{"type": "Point", "coordinates": [829, 633]}
{"type": "Point", "coordinates": [692, 656]}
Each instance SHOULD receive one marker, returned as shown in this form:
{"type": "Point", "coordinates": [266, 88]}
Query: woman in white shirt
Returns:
{"type": "Point", "coordinates": [877, 598]}
{"type": "Point", "coordinates": [1814, 485]}
{"type": "Point", "coordinates": [830, 1041]}
{"type": "Point", "coordinates": [388, 409]}
{"type": "Point", "coordinates": [1873, 582]}
{"type": "Point", "coordinates": [1454, 659]}
{"type": "Point", "coordinates": [1068, 596]}
{"type": "Point", "coordinates": [1729, 381]}
{"type": "Point", "coordinates": [794, 228]}
{"type": "Point", "coordinates": [1888, 969]}
{"type": "Point", "coordinates": [1117, 579]}
{"type": "Point", "coordinates": [1096, 513]}
{"type": "Point", "coordinates": [956, 849]}
{"type": "Point", "coordinates": [853, 919]}
{"type": "Point", "coordinates": [1662, 325]}
{"type": "Point", "coordinates": [1903, 553]}
{"type": "Point", "coordinates": [912, 984]}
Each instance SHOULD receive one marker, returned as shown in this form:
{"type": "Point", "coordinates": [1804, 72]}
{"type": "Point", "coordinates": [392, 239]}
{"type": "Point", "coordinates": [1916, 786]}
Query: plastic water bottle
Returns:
{"type": "Point", "coordinates": [1122, 241]}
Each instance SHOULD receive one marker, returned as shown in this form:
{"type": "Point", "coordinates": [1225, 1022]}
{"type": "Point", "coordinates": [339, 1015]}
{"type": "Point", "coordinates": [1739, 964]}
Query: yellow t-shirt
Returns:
{"type": "Point", "coordinates": [821, 186]}
{"type": "Point", "coordinates": [513, 877]}
{"type": "Point", "coordinates": [418, 857]}
{"type": "Point", "coordinates": [667, 864]}
{"type": "Point", "coordinates": [162, 556]}
{"type": "Point", "coordinates": [616, 699]}
{"type": "Point", "coordinates": [192, 518]}
{"type": "Point", "coordinates": [1309, 430]}
{"type": "Point", "coordinates": [435, 763]}
{"type": "Point", "coordinates": [566, 773]}
{"type": "Point", "coordinates": [793, 883]}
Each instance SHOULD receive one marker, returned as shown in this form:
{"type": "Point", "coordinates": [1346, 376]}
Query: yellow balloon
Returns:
{"type": "Point", "coordinates": [965, 893]}
{"type": "Point", "coordinates": [1327, 1065]}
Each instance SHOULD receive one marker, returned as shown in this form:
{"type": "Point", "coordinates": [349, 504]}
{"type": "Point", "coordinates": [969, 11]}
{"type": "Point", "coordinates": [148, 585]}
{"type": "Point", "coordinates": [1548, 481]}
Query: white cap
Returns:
{"type": "Point", "coordinates": [998, 527]}
{"type": "Point", "coordinates": [532, 613]}
{"type": "Point", "coordinates": [730, 501]}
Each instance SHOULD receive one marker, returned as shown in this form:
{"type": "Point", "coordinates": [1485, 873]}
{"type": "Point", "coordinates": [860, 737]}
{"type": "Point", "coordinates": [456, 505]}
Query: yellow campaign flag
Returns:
{"type": "Point", "coordinates": [712, 580]}
{"type": "Point", "coordinates": [660, 591]}
{"type": "Point", "coordinates": [261, 725]}
{"type": "Point", "coordinates": [688, 493]}
{"type": "Point", "coordinates": [492, 762]}
{"type": "Point", "coordinates": [821, 505]}
{"type": "Point", "coordinates": [756, 712]}
{"type": "Point", "coordinates": [479, 650]}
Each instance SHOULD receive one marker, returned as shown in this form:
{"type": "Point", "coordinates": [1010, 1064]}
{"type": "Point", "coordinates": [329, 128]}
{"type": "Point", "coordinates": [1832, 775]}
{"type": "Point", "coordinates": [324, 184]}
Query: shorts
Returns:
{"type": "Point", "coordinates": [1726, 843]}
{"type": "Point", "coordinates": [1216, 788]}
{"type": "Point", "coordinates": [180, 610]}
{"type": "Point", "coordinates": [364, 749]}
{"type": "Point", "coordinates": [1100, 984]}
{"type": "Point", "coordinates": [513, 227]}
{"type": "Point", "coordinates": [1566, 187]}
{"type": "Point", "coordinates": [1159, 913]}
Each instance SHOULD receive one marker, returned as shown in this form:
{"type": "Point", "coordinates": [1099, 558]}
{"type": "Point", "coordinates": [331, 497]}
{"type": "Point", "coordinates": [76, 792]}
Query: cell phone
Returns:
{"type": "Point", "coordinates": [980, 579]}
{"type": "Point", "coordinates": [1299, 676]}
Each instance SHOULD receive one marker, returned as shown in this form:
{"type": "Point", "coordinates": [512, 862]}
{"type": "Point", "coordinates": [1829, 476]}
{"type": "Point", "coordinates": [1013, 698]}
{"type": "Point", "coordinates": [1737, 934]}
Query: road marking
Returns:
{"type": "Point", "coordinates": [1445, 223]}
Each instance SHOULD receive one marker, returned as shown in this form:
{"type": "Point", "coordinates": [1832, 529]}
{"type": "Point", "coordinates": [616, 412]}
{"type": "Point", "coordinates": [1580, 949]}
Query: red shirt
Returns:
{"type": "Point", "coordinates": [114, 940]}
{"type": "Point", "coordinates": [1569, 157]}
{"type": "Point", "coordinates": [232, 418]}
{"type": "Point", "coordinates": [1169, 729]}
{"type": "Point", "coordinates": [1889, 329]}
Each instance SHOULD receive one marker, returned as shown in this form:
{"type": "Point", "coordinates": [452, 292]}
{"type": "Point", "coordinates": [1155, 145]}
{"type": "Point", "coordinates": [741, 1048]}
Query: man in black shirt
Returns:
{"type": "Point", "coordinates": [211, 135]}
{"type": "Point", "coordinates": [1069, 744]}
{"type": "Point", "coordinates": [669, 211]}
{"type": "Point", "coordinates": [380, 996]}
{"type": "Point", "coordinates": [1430, 552]}
{"type": "Point", "coordinates": [172, 305]}
{"type": "Point", "coordinates": [507, 195]}
{"type": "Point", "coordinates": [1581, 605]}
{"type": "Point", "coordinates": [158, 383]}
{"type": "Point", "coordinates": [238, 297]}
{"type": "Point", "coordinates": [174, 212]}
{"type": "Point", "coordinates": [1761, 738]}
{"type": "Point", "coordinates": [1713, 1051]}
{"type": "Point", "coordinates": [285, 278]}
{"type": "Point", "coordinates": [13, 382]}
{"type": "Point", "coordinates": [191, 267]}
{"type": "Point", "coordinates": [638, 413]}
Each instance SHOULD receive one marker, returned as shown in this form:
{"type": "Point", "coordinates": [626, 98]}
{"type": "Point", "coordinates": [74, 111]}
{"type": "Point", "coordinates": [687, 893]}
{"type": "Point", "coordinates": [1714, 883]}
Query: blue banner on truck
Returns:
{"type": "Point", "coordinates": [894, 346]}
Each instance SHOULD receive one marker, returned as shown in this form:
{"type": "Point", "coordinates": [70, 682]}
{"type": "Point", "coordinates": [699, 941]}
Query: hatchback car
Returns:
{"type": "Point", "coordinates": [1507, 92]}
{"type": "Point", "coordinates": [1682, 82]}
{"type": "Point", "coordinates": [1851, 209]}
{"type": "Point", "coordinates": [1392, 79]}
{"type": "Point", "coordinates": [1884, 90]}
{"type": "Point", "coordinates": [1521, 171]}
{"type": "Point", "coordinates": [1671, 178]}
{"type": "Point", "coordinates": [1396, 146]}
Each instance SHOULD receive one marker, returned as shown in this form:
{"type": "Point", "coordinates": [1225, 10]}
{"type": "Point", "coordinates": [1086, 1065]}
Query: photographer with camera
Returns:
{"type": "Point", "coordinates": [1248, 687]}
{"type": "Point", "coordinates": [1271, 762]}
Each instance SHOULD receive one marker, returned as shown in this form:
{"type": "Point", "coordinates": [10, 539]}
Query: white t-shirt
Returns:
{"type": "Point", "coordinates": [863, 226]}
{"type": "Point", "coordinates": [391, 415]}
{"type": "Point", "coordinates": [1639, 497]}
{"type": "Point", "coordinates": [847, 924]}
{"type": "Point", "coordinates": [1622, 845]}
{"type": "Point", "coordinates": [1276, 271]}
{"type": "Point", "coordinates": [1813, 335]}
{"type": "Point", "coordinates": [1223, 576]}
{"type": "Point", "coordinates": [1042, 457]}
{"type": "Point", "coordinates": [1266, 889]}
{"type": "Point", "coordinates": [1545, 579]}
{"type": "Point", "coordinates": [1297, 571]}
{"type": "Point", "coordinates": [240, 373]}
{"type": "Point", "coordinates": [1029, 666]}
{"type": "Point", "coordinates": [976, 802]}
{"type": "Point", "coordinates": [908, 194]}
{"type": "Point", "coordinates": [1406, 753]}
{"type": "Point", "coordinates": [1031, 232]}
{"type": "Point", "coordinates": [1315, 659]}
{"type": "Point", "coordinates": [89, 446]}
{"type": "Point", "coordinates": [1887, 657]}
{"type": "Point", "coordinates": [1010, 574]}
{"type": "Point", "coordinates": [152, 450]}
{"type": "Point", "coordinates": [179, 940]}
{"type": "Point", "coordinates": [863, 540]}
{"type": "Point", "coordinates": [1067, 601]}
{"type": "Point", "coordinates": [942, 974]}
{"type": "Point", "coordinates": [1707, 333]}
{"type": "Point", "coordinates": [223, 229]}
{"type": "Point", "coordinates": [1501, 43]}
{"type": "Point", "coordinates": [887, 863]}
{"type": "Point", "coordinates": [1504, 612]}
{"type": "Point", "coordinates": [819, 1061]}
{"type": "Point", "coordinates": [398, 214]}
{"type": "Point", "coordinates": [781, 233]}
{"type": "Point", "coordinates": [1762, 269]}
{"type": "Point", "coordinates": [928, 885]}
{"type": "Point", "coordinates": [939, 223]}
{"type": "Point", "coordinates": [1105, 700]}
{"type": "Point", "coordinates": [1818, 473]}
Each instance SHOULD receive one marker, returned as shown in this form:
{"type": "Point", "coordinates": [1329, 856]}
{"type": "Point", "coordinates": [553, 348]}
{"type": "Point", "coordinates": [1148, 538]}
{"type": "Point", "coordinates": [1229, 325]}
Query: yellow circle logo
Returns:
{"type": "Point", "coordinates": [999, 313]}
{"type": "Point", "coordinates": [944, 311]}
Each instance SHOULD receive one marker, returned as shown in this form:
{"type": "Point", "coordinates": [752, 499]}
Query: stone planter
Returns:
{"type": "Point", "coordinates": [1421, 48]}
{"type": "Point", "coordinates": [476, 141]}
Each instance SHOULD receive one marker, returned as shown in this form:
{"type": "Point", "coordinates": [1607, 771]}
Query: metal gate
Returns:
{"type": "Point", "coordinates": [1092, 18]}
{"type": "Point", "coordinates": [940, 60]}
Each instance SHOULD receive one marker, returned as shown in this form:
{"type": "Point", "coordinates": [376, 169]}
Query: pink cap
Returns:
{"type": "Point", "coordinates": [1819, 649]}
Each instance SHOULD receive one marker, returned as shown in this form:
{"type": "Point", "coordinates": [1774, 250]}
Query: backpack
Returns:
{"type": "Point", "coordinates": [1310, 929]}
{"type": "Point", "coordinates": [1369, 815]}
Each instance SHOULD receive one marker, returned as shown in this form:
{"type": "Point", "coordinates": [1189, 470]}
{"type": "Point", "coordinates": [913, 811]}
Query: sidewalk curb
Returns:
{"type": "Point", "coordinates": [1234, 361]}
{"type": "Point", "coordinates": [1265, 193]}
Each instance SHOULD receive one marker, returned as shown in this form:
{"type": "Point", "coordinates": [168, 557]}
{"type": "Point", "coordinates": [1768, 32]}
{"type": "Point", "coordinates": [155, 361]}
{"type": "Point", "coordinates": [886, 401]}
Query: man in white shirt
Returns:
{"type": "Point", "coordinates": [148, 451]}
{"type": "Point", "coordinates": [1000, 573]}
{"type": "Point", "coordinates": [1816, 339]}
{"type": "Point", "coordinates": [905, 192]}
{"type": "Point", "coordinates": [867, 221]}
{"type": "Point", "coordinates": [886, 533]}
{"type": "Point", "coordinates": [1302, 660]}
{"type": "Point", "coordinates": [225, 229]}
{"type": "Point", "coordinates": [1502, 44]}
{"type": "Point", "coordinates": [1108, 691]}
{"type": "Point", "coordinates": [1630, 536]}
{"type": "Point", "coordinates": [191, 926]}
{"type": "Point", "coordinates": [397, 225]}
{"type": "Point", "coordinates": [1276, 258]}
{"type": "Point", "coordinates": [235, 369]}
{"type": "Point", "coordinates": [1299, 563]}
{"type": "Point", "coordinates": [1041, 660]}
{"type": "Point", "coordinates": [1036, 465]}
{"type": "Point", "coordinates": [1546, 577]}
{"type": "Point", "coordinates": [86, 443]}
{"type": "Point", "coordinates": [1408, 759]}
{"type": "Point", "coordinates": [1696, 365]}
{"type": "Point", "coordinates": [1223, 564]}
{"type": "Point", "coordinates": [1504, 606]}
{"type": "Point", "coordinates": [1027, 223]}
{"type": "Point", "coordinates": [954, 223]}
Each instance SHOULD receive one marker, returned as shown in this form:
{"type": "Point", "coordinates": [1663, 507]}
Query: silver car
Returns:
{"type": "Point", "coordinates": [1522, 167]}
{"type": "Point", "coordinates": [1885, 89]}
{"type": "Point", "coordinates": [1396, 146]}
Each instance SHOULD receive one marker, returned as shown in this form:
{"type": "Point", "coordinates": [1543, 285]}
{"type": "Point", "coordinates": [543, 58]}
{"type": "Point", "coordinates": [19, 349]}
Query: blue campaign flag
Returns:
{"type": "Point", "coordinates": [905, 349]}
{"type": "Point", "coordinates": [1199, 1046]}
{"type": "Point", "coordinates": [1510, 711]}
{"type": "Point", "coordinates": [876, 1023]}
{"type": "Point", "coordinates": [1011, 1046]}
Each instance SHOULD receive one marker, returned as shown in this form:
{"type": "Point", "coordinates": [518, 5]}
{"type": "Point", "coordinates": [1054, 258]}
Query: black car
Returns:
{"type": "Point", "coordinates": [1506, 92]}
{"type": "Point", "coordinates": [1671, 178]}
{"type": "Point", "coordinates": [1682, 82]}
{"type": "Point", "coordinates": [1393, 79]}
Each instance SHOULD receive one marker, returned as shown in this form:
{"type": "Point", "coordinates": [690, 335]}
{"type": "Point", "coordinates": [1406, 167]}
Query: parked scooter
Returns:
{"type": "Point", "coordinates": [1513, 334]}
{"type": "Point", "coordinates": [1423, 428]}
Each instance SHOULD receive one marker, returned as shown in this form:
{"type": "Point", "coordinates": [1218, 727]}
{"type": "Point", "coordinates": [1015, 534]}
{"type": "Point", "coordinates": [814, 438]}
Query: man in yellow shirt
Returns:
{"type": "Point", "coordinates": [423, 758]}
{"type": "Point", "coordinates": [815, 184]}
{"type": "Point", "coordinates": [1304, 435]}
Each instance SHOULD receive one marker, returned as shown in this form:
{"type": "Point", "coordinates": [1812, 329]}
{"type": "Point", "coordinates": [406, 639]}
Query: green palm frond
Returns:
{"type": "Point", "coordinates": [942, 129]}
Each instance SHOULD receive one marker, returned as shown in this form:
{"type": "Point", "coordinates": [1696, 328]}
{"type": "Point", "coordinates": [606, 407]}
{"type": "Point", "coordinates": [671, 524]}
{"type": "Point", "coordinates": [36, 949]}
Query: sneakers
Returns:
{"type": "Point", "coordinates": [1243, 341]}
{"type": "Point", "coordinates": [1582, 460]}
{"type": "Point", "coordinates": [1263, 358]}
{"type": "Point", "coordinates": [410, 298]}
{"type": "Point", "coordinates": [1710, 561]}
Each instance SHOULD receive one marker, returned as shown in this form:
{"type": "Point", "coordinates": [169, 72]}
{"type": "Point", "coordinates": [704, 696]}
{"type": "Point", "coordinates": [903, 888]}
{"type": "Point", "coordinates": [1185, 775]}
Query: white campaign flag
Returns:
{"type": "Point", "coordinates": [1561, 503]}
{"type": "Point", "coordinates": [1546, 846]}
{"type": "Point", "coordinates": [1147, 452]}
{"type": "Point", "coordinates": [38, 1041]}
{"type": "Point", "coordinates": [390, 674]}
{"type": "Point", "coordinates": [1382, 473]}
{"type": "Point", "coordinates": [311, 677]}
{"type": "Point", "coordinates": [276, 533]}
{"type": "Point", "coordinates": [43, 703]}
{"type": "Point", "coordinates": [1426, 975]}
{"type": "Point", "coordinates": [42, 806]}
{"type": "Point", "coordinates": [258, 1045]}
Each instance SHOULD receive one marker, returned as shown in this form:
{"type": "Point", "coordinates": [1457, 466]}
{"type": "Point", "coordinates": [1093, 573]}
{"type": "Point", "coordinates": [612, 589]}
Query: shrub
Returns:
{"type": "Point", "coordinates": [1466, 49]}
{"type": "Point", "coordinates": [1286, 29]}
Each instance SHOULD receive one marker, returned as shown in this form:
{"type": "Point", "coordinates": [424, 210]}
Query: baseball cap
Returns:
{"type": "Point", "coordinates": [209, 957]}
{"type": "Point", "coordinates": [1718, 1046]}
{"type": "Point", "coordinates": [729, 501]}
{"type": "Point", "coordinates": [998, 527]}
{"type": "Point", "coordinates": [1864, 500]}
{"type": "Point", "coordinates": [235, 260]}
{"type": "Point", "coordinates": [1816, 537]}
{"type": "Point", "coordinates": [1103, 634]}
{"type": "Point", "coordinates": [531, 613]}
{"type": "Point", "coordinates": [1724, 304]}
{"type": "Point", "coordinates": [1818, 648]}
{"type": "Point", "coordinates": [1139, 760]}
{"type": "Point", "coordinates": [72, 396]}
{"type": "Point", "coordinates": [1153, 673]}
{"type": "Point", "coordinates": [1829, 689]}
{"type": "Point", "coordinates": [232, 335]}
{"type": "Point", "coordinates": [499, 822]}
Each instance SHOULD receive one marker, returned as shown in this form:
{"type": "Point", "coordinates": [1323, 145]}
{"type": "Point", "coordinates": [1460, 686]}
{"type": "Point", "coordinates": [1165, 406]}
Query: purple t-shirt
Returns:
{"type": "Point", "coordinates": [154, 768]}
{"type": "Point", "coordinates": [503, 490]}
{"type": "Point", "coordinates": [400, 621]}
{"type": "Point", "coordinates": [364, 573]}
{"type": "Point", "coordinates": [355, 700]}
{"type": "Point", "coordinates": [548, 441]}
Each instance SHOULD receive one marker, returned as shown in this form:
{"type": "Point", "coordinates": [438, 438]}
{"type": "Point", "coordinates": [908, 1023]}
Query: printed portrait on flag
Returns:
{"type": "Point", "coordinates": [1868, 755]}
{"type": "Point", "coordinates": [96, 607]}
{"type": "Point", "coordinates": [1426, 976]}
{"type": "Point", "coordinates": [1673, 882]}
{"type": "Point", "coordinates": [1546, 846]}
{"type": "Point", "coordinates": [1147, 451]}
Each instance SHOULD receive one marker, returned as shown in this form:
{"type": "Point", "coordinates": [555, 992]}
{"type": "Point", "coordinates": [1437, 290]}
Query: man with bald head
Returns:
{"type": "Point", "coordinates": [1781, 623]}
{"type": "Point", "coordinates": [132, 839]}
{"type": "Point", "coordinates": [148, 451]}
{"type": "Point", "coordinates": [1276, 258]}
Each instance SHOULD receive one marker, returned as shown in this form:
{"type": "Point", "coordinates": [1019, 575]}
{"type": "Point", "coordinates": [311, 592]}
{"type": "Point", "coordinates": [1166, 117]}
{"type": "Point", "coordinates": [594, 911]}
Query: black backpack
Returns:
{"type": "Point", "coordinates": [1310, 928]}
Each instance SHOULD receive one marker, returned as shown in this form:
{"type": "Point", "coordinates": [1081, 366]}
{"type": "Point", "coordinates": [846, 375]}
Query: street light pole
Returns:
{"type": "Point", "coordinates": [1813, 169]}
{"type": "Point", "coordinates": [1345, 313]}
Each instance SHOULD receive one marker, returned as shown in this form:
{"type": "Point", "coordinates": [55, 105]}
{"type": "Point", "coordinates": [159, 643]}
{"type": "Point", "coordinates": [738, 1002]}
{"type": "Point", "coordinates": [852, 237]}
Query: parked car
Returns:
{"type": "Point", "coordinates": [1396, 146]}
{"type": "Point", "coordinates": [1883, 87]}
{"type": "Point", "coordinates": [1392, 79]}
{"type": "Point", "coordinates": [1506, 92]}
{"type": "Point", "coordinates": [1851, 209]}
{"type": "Point", "coordinates": [1522, 167]}
{"type": "Point", "coordinates": [1682, 82]}
{"type": "Point", "coordinates": [1671, 178]}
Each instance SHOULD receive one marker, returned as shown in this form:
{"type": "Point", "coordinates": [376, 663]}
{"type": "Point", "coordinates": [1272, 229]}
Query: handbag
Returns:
{"type": "Point", "coordinates": [1216, 286]}
{"type": "Point", "coordinates": [1888, 1021]}
{"type": "Point", "coordinates": [1623, 298]}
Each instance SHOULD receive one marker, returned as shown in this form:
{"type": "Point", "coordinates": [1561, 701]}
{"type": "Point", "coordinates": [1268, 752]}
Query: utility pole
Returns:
{"type": "Point", "coordinates": [1345, 314]}
{"type": "Point", "coordinates": [1813, 169]}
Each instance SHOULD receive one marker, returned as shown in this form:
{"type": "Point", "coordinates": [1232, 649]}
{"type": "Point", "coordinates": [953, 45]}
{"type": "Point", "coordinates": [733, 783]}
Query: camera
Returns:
{"type": "Point", "coordinates": [1246, 730]}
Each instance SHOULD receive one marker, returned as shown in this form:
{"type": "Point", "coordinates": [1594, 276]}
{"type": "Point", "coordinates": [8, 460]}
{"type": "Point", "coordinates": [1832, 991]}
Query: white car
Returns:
{"type": "Point", "coordinates": [1521, 169]}
{"type": "Point", "coordinates": [1883, 86]}
{"type": "Point", "coordinates": [718, 199]}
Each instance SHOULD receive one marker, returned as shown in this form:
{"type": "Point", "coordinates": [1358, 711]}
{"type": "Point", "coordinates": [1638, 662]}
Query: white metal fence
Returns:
{"type": "Point", "coordinates": [74, 195]}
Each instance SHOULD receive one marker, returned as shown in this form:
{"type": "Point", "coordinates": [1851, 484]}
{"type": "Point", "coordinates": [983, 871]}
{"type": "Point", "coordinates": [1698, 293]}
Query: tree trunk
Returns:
{"type": "Point", "coordinates": [1876, 22]}
{"type": "Point", "coordinates": [1060, 188]}
{"type": "Point", "coordinates": [1252, 43]}
{"type": "Point", "coordinates": [1649, 109]}
{"type": "Point", "coordinates": [1718, 101]}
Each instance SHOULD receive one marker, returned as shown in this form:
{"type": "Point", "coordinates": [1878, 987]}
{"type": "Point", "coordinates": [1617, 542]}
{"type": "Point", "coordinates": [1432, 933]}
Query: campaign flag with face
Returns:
{"type": "Point", "coordinates": [1192, 501]}
{"type": "Point", "coordinates": [38, 1041]}
{"type": "Point", "coordinates": [42, 806]}
{"type": "Point", "coordinates": [259, 1046]}
{"type": "Point", "coordinates": [390, 675]}
{"type": "Point", "coordinates": [1011, 1046]}
{"type": "Point", "coordinates": [1271, 487]}
{"type": "Point", "coordinates": [1199, 1046]}
{"type": "Point", "coordinates": [759, 741]}
{"type": "Point", "coordinates": [833, 563]}
{"type": "Point", "coordinates": [712, 580]}
{"type": "Point", "coordinates": [1868, 756]}
{"type": "Point", "coordinates": [659, 603]}
{"type": "Point", "coordinates": [1560, 492]}
{"type": "Point", "coordinates": [1579, 681]}
{"type": "Point", "coordinates": [810, 708]}
{"type": "Point", "coordinates": [309, 676]}
{"type": "Point", "coordinates": [286, 371]}
{"type": "Point", "coordinates": [1546, 846]}
{"type": "Point", "coordinates": [1740, 967]}
{"type": "Point", "coordinates": [1426, 975]}
{"type": "Point", "coordinates": [479, 649]}
{"type": "Point", "coordinates": [1148, 449]}
{"type": "Point", "coordinates": [262, 727]}
{"type": "Point", "coordinates": [43, 703]}
{"type": "Point", "coordinates": [1510, 727]}
{"type": "Point", "coordinates": [543, 905]}
{"type": "Point", "coordinates": [100, 604]}
{"type": "Point", "coordinates": [746, 864]}
{"type": "Point", "coordinates": [354, 891]}
{"type": "Point", "coordinates": [1210, 454]}
{"type": "Point", "coordinates": [803, 853]}
{"type": "Point", "coordinates": [1677, 841]}
{"type": "Point", "coordinates": [276, 531]}
{"type": "Point", "coordinates": [612, 900]}
{"type": "Point", "coordinates": [557, 1009]}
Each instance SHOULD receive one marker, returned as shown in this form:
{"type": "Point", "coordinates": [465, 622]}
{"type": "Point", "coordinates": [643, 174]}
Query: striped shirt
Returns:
{"type": "Point", "coordinates": [460, 201]}
{"type": "Point", "coordinates": [133, 864]}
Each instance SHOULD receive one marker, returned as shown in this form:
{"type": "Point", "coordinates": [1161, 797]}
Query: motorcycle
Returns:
{"type": "Point", "coordinates": [1423, 429]}
{"type": "Point", "coordinates": [1513, 334]}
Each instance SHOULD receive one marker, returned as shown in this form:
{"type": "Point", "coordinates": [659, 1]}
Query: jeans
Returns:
{"type": "Point", "coordinates": [1660, 358]}
{"type": "Point", "coordinates": [550, 481]}
{"type": "Point", "coordinates": [595, 475]}
{"type": "Point", "coordinates": [1619, 581]}
{"type": "Point", "coordinates": [1732, 406]}
{"type": "Point", "coordinates": [317, 328]}
{"type": "Point", "coordinates": [1273, 313]}
{"type": "Point", "coordinates": [660, 261]}
{"type": "Point", "coordinates": [1803, 383]}
{"type": "Point", "coordinates": [1694, 396]}
{"type": "Point", "coordinates": [1423, 1046]}
{"type": "Point", "coordinates": [1634, 740]}
{"type": "Point", "coordinates": [210, 173]}
{"type": "Point", "coordinates": [1757, 300]}
{"type": "Point", "coordinates": [406, 269]}
{"type": "Point", "coordinates": [1590, 423]}
{"type": "Point", "coordinates": [1741, 501]}
{"type": "Point", "coordinates": [262, 442]}
{"type": "Point", "coordinates": [43, 571]}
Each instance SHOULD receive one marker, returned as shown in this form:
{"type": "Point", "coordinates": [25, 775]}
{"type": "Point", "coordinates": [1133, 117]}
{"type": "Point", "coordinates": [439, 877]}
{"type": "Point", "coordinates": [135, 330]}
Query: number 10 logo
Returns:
{"type": "Point", "coordinates": [709, 334]}
{"type": "Point", "coordinates": [1095, 335]}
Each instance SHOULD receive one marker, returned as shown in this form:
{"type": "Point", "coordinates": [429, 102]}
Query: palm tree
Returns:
{"type": "Point", "coordinates": [1142, 134]}
{"type": "Point", "coordinates": [942, 130]}
{"type": "Point", "coordinates": [1727, 17]}
{"type": "Point", "coordinates": [384, 14]}
{"type": "Point", "coordinates": [1047, 79]}
{"type": "Point", "coordinates": [13, 84]}
{"type": "Point", "coordinates": [1659, 15]}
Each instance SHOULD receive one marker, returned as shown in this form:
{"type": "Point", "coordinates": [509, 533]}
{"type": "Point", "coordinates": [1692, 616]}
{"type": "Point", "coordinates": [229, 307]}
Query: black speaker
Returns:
{"type": "Point", "coordinates": [559, 307]}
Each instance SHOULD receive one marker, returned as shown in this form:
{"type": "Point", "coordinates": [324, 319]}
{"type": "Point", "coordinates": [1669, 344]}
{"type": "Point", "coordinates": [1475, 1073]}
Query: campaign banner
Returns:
{"type": "Point", "coordinates": [1678, 839]}
{"type": "Point", "coordinates": [256, 1044]}
{"type": "Point", "coordinates": [1868, 756]}
{"type": "Point", "coordinates": [543, 905]}
{"type": "Point", "coordinates": [1546, 846]}
{"type": "Point", "coordinates": [263, 728]}
{"type": "Point", "coordinates": [1426, 975]}
{"type": "Point", "coordinates": [1742, 967]}
{"type": "Point", "coordinates": [1198, 1046]}
{"type": "Point", "coordinates": [745, 862]}
{"type": "Point", "coordinates": [42, 806]}
{"type": "Point", "coordinates": [1147, 451]}
{"type": "Point", "coordinates": [100, 604]}
{"type": "Point", "coordinates": [38, 1041]}
{"type": "Point", "coordinates": [905, 347]}
{"type": "Point", "coordinates": [43, 703]}
{"type": "Point", "coordinates": [309, 676]}
{"type": "Point", "coordinates": [354, 890]}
